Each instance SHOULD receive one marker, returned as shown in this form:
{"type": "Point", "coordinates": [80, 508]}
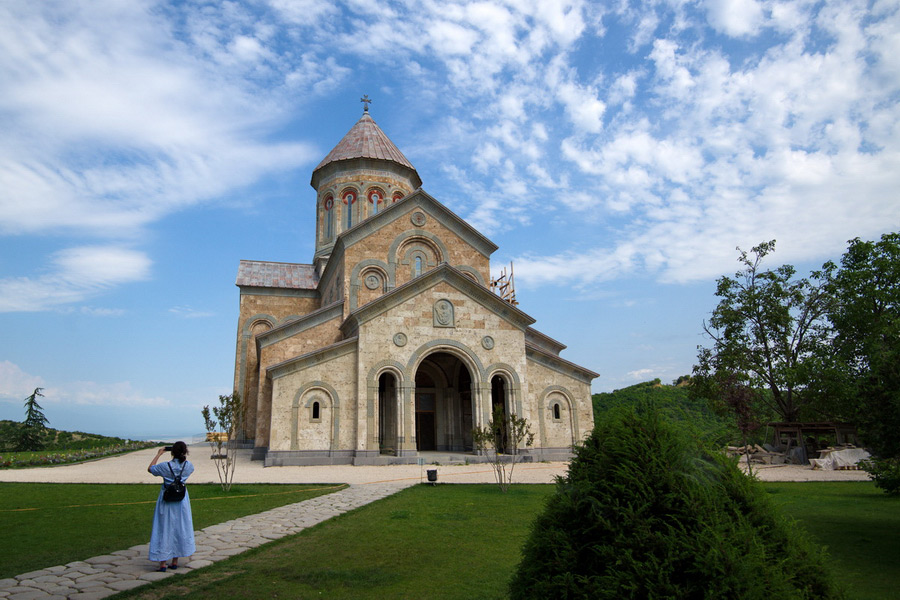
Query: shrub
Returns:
{"type": "Point", "coordinates": [886, 474]}
{"type": "Point", "coordinates": [646, 511]}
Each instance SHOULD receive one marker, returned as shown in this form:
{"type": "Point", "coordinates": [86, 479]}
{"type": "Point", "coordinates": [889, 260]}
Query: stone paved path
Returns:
{"type": "Point", "coordinates": [102, 576]}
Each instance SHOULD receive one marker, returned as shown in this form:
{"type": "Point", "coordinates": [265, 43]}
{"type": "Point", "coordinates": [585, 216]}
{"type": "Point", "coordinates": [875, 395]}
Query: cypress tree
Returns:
{"type": "Point", "coordinates": [646, 511]}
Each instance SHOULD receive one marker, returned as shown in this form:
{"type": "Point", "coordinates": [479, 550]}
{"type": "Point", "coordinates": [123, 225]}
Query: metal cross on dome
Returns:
{"type": "Point", "coordinates": [365, 100]}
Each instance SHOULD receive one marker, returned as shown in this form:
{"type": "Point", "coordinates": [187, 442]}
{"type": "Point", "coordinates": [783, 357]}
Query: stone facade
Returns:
{"type": "Point", "coordinates": [392, 343]}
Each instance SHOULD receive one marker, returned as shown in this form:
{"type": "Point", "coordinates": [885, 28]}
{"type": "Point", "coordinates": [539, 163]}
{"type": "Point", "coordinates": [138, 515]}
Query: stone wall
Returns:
{"type": "Point", "coordinates": [546, 387]}
{"type": "Point", "coordinates": [326, 438]}
{"type": "Point", "coordinates": [259, 313]}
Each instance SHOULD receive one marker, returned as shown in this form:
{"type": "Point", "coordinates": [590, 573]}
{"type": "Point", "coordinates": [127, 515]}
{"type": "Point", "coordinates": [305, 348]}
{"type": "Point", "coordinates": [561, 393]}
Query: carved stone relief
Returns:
{"type": "Point", "coordinates": [444, 313]}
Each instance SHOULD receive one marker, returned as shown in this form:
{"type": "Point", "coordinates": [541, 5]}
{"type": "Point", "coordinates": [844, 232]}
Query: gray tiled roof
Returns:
{"type": "Point", "coordinates": [256, 273]}
{"type": "Point", "coordinates": [365, 140]}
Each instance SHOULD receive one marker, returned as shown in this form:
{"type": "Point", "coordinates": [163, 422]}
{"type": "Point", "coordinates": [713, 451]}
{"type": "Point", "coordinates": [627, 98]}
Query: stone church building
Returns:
{"type": "Point", "coordinates": [392, 342]}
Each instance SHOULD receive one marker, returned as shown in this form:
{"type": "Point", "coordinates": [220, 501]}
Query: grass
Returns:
{"type": "Point", "coordinates": [464, 541]}
{"type": "Point", "coordinates": [47, 458]}
{"type": "Point", "coordinates": [449, 541]}
{"type": "Point", "coordinates": [47, 524]}
{"type": "Point", "coordinates": [431, 542]}
{"type": "Point", "coordinates": [859, 525]}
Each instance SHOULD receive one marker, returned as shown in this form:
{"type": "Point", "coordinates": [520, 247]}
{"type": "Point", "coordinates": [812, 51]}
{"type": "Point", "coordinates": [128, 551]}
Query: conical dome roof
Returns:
{"type": "Point", "coordinates": [365, 140]}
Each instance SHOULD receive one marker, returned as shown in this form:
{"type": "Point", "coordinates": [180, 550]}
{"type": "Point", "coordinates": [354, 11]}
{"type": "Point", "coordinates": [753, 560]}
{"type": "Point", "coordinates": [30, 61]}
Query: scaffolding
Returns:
{"type": "Point", "coordinates": [505, 286]}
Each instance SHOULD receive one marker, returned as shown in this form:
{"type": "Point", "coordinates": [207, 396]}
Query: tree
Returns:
{"type": "Point", "coordinates": [222, 427]}
{"type": "Point", "coordinates": [35, 424]}
{"type": "Point", "coordinates": [647, 511]}
{"type": "Point", "coordinates": [736, 398]}
{"type": "Point", "coordinates": [765, 330]}
{"type": "Point", "coordinates": [500, 433]}
{"type": "Point", "coordinates": [864, 363]}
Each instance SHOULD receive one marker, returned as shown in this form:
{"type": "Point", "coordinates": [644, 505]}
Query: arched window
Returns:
{"type": "Point", "coordinates": [349, 198]}
{"type": "Point", "coordinates": [417, 269]}
{"type": "Point", "coordinates": [328, 205]}
{"type": "Point", "coordinates": [556, 415]}
{"type": "Point", "coordinates": [376, 197]}
{"type": "Point", "coordinates": [316, 411]}
{"type": "Point", "coordinates": [397, 196]}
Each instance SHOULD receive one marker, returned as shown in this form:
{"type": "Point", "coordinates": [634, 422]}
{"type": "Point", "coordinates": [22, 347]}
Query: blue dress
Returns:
{"type": "Point", "coordinates": [173, 525]}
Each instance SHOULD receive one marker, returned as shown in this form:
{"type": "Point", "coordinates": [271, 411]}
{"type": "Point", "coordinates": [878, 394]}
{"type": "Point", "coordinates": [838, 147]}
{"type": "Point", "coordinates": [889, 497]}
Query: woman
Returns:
{"type": "Point", "coordinates": [173, 526]}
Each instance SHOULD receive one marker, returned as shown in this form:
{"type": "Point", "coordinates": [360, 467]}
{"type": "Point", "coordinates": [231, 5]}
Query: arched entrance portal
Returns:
{"type": "Point", "coordinates": [443, 404]}
{"type": "Point", "coordinates": [387, 414]}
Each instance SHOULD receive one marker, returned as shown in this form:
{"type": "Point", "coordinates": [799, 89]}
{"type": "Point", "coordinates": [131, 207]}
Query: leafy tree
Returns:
{"type": "Point", "coordinates": [864, 367]}
{"type": "Point", "coordinates": [766, 330]}
{"type": "Point", "coordinates": [31, 431]}
{"type": "Point", "coordinates": [222, 427]}
{"type": "Point", "coordinates": [499, 433]}
{"type": "Point", "coordinates": [646, 511]}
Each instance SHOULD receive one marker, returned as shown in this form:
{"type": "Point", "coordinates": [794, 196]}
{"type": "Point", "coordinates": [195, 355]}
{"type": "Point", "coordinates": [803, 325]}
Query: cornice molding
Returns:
{"type": "Point", "coordinates": [443, 273]}
{"type": "Point", "coordinates": [309, 359]}
{"type": "Point", "coordinates": [308, 321]}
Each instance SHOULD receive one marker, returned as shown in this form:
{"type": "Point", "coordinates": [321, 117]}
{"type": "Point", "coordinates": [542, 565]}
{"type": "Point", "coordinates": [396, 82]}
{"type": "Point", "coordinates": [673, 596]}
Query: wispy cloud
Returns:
{"type": "Point", "coordinates": [186, 312]}
{"type": "Point", "coordinates": [16, 385]}
{"type": "Point", "coordinates": [76, 274]}
{"type": "Point", "coordinates": [717, 124]}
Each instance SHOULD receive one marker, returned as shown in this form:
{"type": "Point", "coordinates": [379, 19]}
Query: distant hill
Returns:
{"type": "Point", "coordinates": [54, 439]}
{"type": "Point", "coordinates": [675, 402]}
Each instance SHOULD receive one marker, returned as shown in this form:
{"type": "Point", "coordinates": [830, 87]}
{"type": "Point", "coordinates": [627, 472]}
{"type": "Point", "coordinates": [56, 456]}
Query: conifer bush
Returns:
{"type": "Point", "coordinates": [646, 511]}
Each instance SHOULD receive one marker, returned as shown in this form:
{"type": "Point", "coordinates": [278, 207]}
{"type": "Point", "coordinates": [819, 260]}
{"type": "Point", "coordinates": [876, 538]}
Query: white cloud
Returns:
{"type": "Point", "coordinates": [694, 146]}
{"type": "Point", "coordinates": [110, 125]}
{"type": "Point", "coordinates": [641, 374]}
{"type": "Point", "coordinates": [736, 18]}
{"type": "Point", "coordinates": [75, 274]}
{"type": "Point", "coordinates": [186, 312]}
{"type": "Point", "coordinates": [89, 393]}
{"type": "Point", "coordinates": [15, 384]}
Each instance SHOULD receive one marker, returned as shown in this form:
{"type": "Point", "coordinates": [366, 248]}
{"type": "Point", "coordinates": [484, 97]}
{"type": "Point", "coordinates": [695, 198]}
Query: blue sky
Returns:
{"type": "Point", "coordinates": [617, 152]}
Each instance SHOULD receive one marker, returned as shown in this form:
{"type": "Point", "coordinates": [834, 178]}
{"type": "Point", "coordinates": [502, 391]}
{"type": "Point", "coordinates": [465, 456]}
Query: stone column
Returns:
{"type": "Point", "coordinates": [406, 418]}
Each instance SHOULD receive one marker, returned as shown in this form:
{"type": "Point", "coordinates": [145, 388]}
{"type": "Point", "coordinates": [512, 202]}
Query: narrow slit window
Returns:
{"type": "Point", "coordinates": [315, 411]}
{"type": "Point", "coordinates": [418, 267]}
{"type": "Point", "coordinates": [556, 411]}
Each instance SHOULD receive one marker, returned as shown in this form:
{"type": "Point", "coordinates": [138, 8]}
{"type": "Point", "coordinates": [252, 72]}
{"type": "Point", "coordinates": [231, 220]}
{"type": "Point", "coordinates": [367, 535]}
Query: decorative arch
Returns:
{"type": "Point", "coordinates": [349, 195]}
{"type": "Point", "coordinates": [401, 247]}
{"type": "Point", "coordinates": [472, 273]}
{"type": "Point", "coordinates": [381, 367]}
{"type": "Point", "coordinates": [358, 272]}
{"type": "Point", "coordinates": [377, 414]}
{"type": "Point", "coordinates": [246, 335]}
{"type": "Point", "coordinates": [329, 210]}
{"type": "Point", "coordinates": [504, 370]}
{"type": "Point", "coordinates": [376, 196]}
{"type": "Point", "coordinates": [550, 396]}
{"type": "Point", "coordinates": [257, 319]}
{"type": "Point", "coordinates": [461, 351]}
{"type": "Point", "coordinates": [306, 392]}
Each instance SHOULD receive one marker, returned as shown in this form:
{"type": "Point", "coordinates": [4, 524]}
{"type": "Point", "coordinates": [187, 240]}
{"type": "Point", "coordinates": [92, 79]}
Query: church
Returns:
{"type": "Point", "coordinates": [394, 343]}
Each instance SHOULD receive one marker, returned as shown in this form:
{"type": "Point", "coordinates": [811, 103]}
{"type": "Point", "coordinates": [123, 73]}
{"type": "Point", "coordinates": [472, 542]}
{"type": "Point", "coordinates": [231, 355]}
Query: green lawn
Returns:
{"type": "Point", "coordinates": [449, 541]}
{"type": "Point", "coordinates": [859, 525]}
{"type": "Point", "coordinates": [47, 524]}
{"type": "Point", "coordinates": [464, 541]}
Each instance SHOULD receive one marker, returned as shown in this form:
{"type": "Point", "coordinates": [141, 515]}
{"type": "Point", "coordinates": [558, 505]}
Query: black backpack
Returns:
{"type": "Point", "coordinates": [175, 491]}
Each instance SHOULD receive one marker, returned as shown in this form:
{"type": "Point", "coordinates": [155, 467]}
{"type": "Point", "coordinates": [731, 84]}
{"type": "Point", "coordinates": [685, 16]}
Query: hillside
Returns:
{"type": "Point", "coordinates": [675, 402]}
{"type": "Point", "coordinates": [54, 439]}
